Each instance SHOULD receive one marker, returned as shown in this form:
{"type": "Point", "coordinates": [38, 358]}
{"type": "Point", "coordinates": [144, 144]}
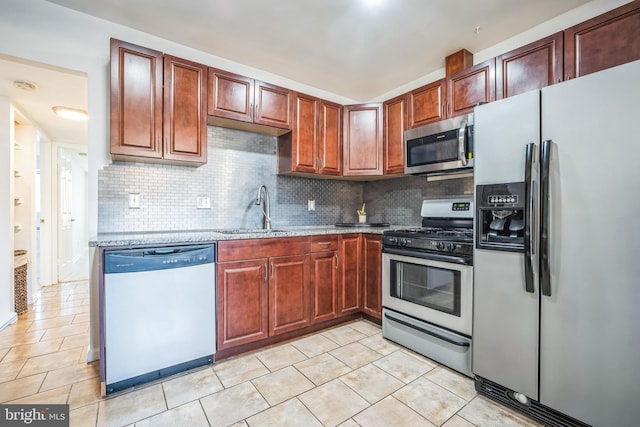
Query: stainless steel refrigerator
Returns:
{"type": "Point", "coordinates": [556, 325]}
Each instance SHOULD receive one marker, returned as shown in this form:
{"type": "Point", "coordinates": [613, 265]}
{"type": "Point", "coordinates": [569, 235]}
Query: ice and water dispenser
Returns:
{"type": "Point", "coordinates": [500, 216]}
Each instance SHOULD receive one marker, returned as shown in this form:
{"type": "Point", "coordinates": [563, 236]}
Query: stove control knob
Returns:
{"type": "Point", "coordinates": [451, 247]}
{"type": "Point", "coordinates": [393, 240]}
{"type": "Point", "coordinates": [440, 245]}
{"type": "Point", "coordinates": [403, 242]}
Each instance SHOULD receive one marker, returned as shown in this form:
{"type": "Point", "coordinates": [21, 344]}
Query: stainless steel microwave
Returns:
{"type": "Point", "coordinates": [440, 147]}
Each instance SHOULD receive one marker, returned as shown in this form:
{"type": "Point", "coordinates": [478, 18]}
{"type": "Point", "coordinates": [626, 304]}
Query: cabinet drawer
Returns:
{"type": "Point", "coordinates": [238, 250]}
{"type": "Point", "coordinates": [324, 243]}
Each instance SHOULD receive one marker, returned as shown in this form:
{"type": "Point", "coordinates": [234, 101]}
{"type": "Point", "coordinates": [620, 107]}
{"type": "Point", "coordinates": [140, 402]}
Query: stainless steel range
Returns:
{"type": "Point", "coordinates": [427, 283]}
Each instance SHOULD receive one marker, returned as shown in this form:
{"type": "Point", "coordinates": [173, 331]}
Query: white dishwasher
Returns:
{"type": "Point", "coordinates": [159, 313]}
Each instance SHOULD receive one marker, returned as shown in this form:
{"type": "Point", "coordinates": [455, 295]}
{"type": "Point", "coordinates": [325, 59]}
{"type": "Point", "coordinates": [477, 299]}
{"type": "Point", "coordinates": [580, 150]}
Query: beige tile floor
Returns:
{"type": "Point", "coordinates": [345, 376]}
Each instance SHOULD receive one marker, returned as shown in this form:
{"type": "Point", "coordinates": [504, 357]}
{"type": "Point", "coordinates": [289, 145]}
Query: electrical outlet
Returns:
{"type": "Point", "coordinates": [311, 205]}
{"type": "Point", "coordinates": [134, 201]}
{"type": "Point", "coordinates": [203, 202]}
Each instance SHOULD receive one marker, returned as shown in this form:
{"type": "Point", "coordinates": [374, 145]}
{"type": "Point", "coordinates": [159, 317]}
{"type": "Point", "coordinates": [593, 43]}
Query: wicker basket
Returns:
{"type": "Point", "coordinates": [20, 293]}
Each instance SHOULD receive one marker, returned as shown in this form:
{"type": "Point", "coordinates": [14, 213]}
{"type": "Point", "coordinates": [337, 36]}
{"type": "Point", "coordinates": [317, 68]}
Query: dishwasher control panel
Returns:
{"type": "Point", "coordinates": [163, 258]}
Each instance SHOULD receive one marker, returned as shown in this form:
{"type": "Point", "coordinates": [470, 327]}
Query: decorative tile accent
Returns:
{"type": "Point", "coordinates": [238, 163]}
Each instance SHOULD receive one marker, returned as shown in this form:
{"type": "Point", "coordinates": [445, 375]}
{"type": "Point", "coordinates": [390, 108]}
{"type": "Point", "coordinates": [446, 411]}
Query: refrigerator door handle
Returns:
{"type": "Point", "coordinates": [545, 268]}
{"type": "Point", "coordinates": [528, 218]}
{"type": "Point", "coordinates": [462, 139]}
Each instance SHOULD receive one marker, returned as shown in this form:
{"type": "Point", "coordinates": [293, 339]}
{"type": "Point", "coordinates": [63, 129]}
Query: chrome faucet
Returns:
{"type": "Point", "coordinates": [266, 221]}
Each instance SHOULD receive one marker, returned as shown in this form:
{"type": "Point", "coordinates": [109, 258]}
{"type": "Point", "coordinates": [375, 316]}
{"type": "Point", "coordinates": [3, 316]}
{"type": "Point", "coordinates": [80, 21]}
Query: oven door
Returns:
{"type": "Point", "coordinates": [433, 291]}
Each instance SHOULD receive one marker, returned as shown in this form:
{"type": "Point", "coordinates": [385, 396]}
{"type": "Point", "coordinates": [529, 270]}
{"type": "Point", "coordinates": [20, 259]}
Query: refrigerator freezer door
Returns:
{"type": "Point", "coordinates": [590, 333]}
{"type": "Point", "coordinates": [505, 322]}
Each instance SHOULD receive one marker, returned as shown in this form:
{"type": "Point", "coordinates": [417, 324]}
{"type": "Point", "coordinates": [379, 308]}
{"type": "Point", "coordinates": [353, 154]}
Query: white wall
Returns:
{"type": "Point", "coordinates": [44, 32]}
{"type": "Point", "coordinates": [7, 314]}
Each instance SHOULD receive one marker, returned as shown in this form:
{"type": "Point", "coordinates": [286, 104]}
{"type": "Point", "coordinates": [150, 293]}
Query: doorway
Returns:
{"type": "Point", "coordinates": [57, 196]}
{"type": "Point", "coordinates": [73, 252]}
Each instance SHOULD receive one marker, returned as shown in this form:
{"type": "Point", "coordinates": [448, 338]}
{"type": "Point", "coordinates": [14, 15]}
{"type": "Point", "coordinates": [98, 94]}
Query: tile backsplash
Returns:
{"type": "Point", "coordinates": [238, 163]}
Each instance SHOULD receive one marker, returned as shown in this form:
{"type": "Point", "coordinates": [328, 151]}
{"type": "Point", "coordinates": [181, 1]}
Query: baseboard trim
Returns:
{"type": "Point", "coordinates": [93, 354]}
{"type": "Point", "coordinates": [8, 319]}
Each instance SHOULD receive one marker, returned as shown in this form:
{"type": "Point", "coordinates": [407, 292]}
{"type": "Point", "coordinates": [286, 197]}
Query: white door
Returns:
{"type": "Point", "coordinates": [73, 263]}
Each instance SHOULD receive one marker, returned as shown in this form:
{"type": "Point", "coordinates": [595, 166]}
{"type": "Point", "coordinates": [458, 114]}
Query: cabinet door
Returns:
{"type": "Point", "coordinates": [372, 275]}
{"type": "Point", "coordinates": [324, 286]}
{"type": "Point", "coordinates": [230, 95]}
{"type": "Point", "coordinates": [362, 140]}
{"type": "Point", "coordinates": [395, 121]}
{"type": "Point", "coordinates": [529, 67]}
{"type": "Point", "coordinates": [470, 87]}
{"type": "Point", "coordinates": [136, 100]}
{"type": "Point", "coordinates": [427, 104]}
{"type": "Point", "coordinates": [185, 110]}
{"type": "Point", "coordinates": [349, 268]}
{"type": "Point", "coordinates": [274, 105]}
{"type": "Point", "coordinates": [330, 140]}
{"type": "Point", "coordinates": [603, 42]}
{"type": "Point", "coordinates": [288, 293]}
{"type": "Point", "coordinates": [242, 299]}
{"type": "Point", "coordinates": [304, 155]}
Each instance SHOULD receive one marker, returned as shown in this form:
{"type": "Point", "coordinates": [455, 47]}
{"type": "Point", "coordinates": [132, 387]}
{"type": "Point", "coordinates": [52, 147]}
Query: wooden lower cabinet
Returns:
{"type": "Point", "coordinates": [242, 302]}
{"type": "Point", "coordinates": [288, 293]}
{"type": "Point", "coordinates": [349, 285]}
{"type": "Point", "coordinates": [324, 286]}
{"type": "Point", "coordinates": [372, 275]}
{"type": "Point", "coordinates": [293, 284]}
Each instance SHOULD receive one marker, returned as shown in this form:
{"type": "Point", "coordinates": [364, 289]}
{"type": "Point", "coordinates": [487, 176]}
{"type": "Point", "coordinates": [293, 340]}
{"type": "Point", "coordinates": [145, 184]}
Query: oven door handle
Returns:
{"type": "Point", "coordinates": [458, 343]}
{"type": "Point", "coordinates": [430, 256]}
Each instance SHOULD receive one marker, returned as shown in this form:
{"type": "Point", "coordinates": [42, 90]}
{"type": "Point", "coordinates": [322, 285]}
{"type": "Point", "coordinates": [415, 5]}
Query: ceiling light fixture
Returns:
{"type": "Point", "coordinates": [20, 84]}
{"type": "Point", "coordinates": [372, 2]}
{"type": "Point", "coordinates": [70, 113]}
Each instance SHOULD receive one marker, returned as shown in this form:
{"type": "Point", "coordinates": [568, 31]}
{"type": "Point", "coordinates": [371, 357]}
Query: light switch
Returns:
{"type": "Point", "coordinates": [134, 201]}
{"type": "Point", "coordinates": [311, 205]}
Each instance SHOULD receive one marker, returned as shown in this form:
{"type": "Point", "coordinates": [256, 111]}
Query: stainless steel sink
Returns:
{"type": "Point", "coordinates": [250, 231]}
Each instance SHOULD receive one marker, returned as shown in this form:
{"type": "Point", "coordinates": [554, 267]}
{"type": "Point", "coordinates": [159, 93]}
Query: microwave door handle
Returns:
{"type": "Point", "coordinates": [462, 139]}
{"type": "Point", "coordinates": [528, 217]}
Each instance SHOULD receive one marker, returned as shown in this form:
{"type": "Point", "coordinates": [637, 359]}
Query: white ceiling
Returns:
{"type": "Point", "coordinates": [345, 47]}
{"type": "Point", "coordinates": [54, 86]}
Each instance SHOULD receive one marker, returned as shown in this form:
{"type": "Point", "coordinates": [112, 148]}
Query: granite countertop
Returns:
{"type": "Point", "coordinates": [197, 236]}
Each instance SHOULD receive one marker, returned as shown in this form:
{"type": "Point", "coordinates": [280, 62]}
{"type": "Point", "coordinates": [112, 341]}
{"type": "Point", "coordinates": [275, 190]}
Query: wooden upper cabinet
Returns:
{"type": "Point", "coordinates": [362, 142]}
{"type": "Point", "coordinates": [274, 105]}
{"type": "Point", "coordinates": [314, 145]}
{"type": "Point", "coordinates": [602, 42]}
{"type": "Point", "coordinates": [395, 123]}
{"type": "Point", "coordinates": [236, 97]}
{"type": "Point", "coordinates": [427, 104]}
{"type": "Point", "coordinates": [136, 101]}
{"type": "Point", "coordinates": [142, 125]}
{"type": "Point", "coordinates": [470, 87]}
{"type": "Point", "coordinates": [330, 139]}
{"type": "Point", "coordinates": [230, 95]}
{"type": "Point", "coordinates": [303, 139]}
{"type": "Point", "coordinates": [530, 67]}
{"type": "Point", "coordinates": [185, 110]}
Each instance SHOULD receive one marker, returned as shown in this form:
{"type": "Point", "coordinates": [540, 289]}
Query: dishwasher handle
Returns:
{"type": "Point", "coordinates": [152, 259]}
